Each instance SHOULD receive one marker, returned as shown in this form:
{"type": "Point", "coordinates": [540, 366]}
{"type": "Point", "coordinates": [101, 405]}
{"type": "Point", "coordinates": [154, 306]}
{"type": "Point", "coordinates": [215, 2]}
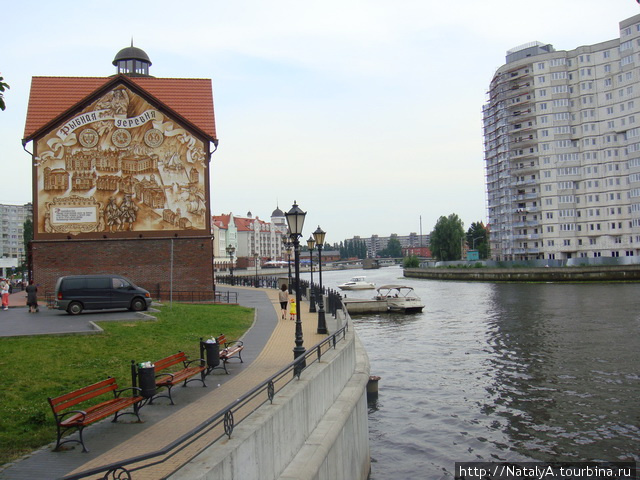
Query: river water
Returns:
{"type": "Point", "coordinates": [501, 372]}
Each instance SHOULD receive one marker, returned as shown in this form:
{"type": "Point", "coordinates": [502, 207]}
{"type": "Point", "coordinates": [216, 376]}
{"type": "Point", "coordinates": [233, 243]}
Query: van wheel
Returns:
{"type": "Point", "coordinates": [138, 304]}
{"type": "Point", "coordinates": [74, 308]}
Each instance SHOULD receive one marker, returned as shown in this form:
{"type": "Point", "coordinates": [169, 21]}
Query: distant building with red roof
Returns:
{"type": "Point", "coordinates": [121, 175]}
{"type": "Point", "coordinates": [248, 235]}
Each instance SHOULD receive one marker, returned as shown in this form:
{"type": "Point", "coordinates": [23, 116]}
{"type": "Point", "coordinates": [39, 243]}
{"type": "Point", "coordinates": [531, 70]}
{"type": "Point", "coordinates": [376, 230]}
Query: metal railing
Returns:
{"type": "Point", "coordinates": [334, 299]}
{"type": "Point", "coordinates": [195, 296]}
{"type": "Point", "coordinates": [185, 296]}
{"type": "Point", "coordinates": [224, 417]}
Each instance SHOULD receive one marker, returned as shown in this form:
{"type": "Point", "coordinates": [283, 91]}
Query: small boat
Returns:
{"type": "Point", "coordinates": [357, 283]}
{"type": "Point", "coordinates": [400, 298]}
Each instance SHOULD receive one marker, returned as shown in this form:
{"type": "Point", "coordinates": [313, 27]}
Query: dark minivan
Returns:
{"type": "Point", "coordinates": [99, 292]}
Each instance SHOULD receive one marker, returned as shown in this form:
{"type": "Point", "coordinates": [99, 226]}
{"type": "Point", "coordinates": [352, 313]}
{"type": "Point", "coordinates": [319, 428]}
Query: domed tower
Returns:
{"type": "Point", "coordinates": [133, 62]}
{"type": "Point", "coordinates": [278, 218]}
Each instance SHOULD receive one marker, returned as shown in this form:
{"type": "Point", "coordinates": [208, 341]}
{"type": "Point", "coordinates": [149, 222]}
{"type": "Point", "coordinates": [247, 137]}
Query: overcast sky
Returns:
{"type": "Point", "coordinates": [367, 112]}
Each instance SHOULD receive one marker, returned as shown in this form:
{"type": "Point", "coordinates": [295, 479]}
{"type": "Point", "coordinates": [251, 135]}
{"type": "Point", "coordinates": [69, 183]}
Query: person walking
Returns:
{"type": "Point", "coordinates": [4, 291]}
{"type": "Point", "coordinates": [283, 297]}
{"type": "Point", "coordinates": [32, 298]}
{"type": "Point", "coordinates": [292, 309]}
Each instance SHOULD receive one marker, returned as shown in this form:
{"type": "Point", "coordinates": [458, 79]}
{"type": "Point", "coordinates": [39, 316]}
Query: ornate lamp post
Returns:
{"type": "Point", "coordinates": [255, 262]}
{"type": "Point", "coordinates": [286, 241]}
{"type": "Point", "coordinates": [319, 235]}
{"type": "Point", "coordinates": [311, 243]}
{"type": "Point", "coordinates": [230, 251]}
{"type": "Point", "coordinates": [295, 220]}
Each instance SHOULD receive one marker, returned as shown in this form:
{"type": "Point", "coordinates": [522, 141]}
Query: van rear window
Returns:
{"type": "Point", "coordinates": [95, 283]}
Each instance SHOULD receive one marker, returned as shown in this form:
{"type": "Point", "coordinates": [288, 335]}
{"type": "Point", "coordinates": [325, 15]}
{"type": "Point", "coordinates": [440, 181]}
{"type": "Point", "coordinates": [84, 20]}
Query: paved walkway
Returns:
{"type": "Point", "coordinates": [268, 348]}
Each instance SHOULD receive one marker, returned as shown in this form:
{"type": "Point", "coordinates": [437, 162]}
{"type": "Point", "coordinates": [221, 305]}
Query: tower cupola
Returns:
{"type": "Point", "coordinates": [132, 61]}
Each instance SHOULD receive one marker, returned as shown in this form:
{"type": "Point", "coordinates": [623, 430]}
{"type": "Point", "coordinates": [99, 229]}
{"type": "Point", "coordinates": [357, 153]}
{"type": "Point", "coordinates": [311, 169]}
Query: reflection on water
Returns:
{"type": "Point", "coordinates": [496, 372]}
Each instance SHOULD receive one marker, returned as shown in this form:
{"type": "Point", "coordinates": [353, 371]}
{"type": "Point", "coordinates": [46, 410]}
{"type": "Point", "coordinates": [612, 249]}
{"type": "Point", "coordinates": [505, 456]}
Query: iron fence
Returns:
{"type": "Point", "coordinates": [267, 390]}
{"type": "Point", "coordinates": [194, 296]}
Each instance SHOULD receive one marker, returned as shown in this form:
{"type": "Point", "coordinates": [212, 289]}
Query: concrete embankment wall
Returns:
{"type": "Point", "coordinates": [316, 428]}
{"type": "Point", "coordinates": [625, 273]}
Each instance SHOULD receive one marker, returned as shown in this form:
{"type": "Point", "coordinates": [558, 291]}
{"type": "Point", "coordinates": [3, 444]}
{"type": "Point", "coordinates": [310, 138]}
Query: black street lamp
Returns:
{"type": "Point", "coordinates": [255, 262]}
{"type": "Point", "coordinates": [319, 235]}
{"type": "Point", "coordinates": [286, 241]}
{"type": "Point", "coordinates": [231, 250]}
{"type": "Point", "coordinates": [311, 243]}
{"type": "Point", "coordinates": [295, 220]}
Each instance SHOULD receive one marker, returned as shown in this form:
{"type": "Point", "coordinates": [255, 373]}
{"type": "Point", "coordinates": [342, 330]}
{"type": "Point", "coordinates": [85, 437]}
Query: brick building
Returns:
{"type": "Point", "coordinates": [121, 176]}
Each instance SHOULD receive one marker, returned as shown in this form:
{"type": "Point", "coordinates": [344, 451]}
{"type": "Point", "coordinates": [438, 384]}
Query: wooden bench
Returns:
{"type": "Point", "coordinates": [78, 419]}
{"type": "Point", "coordinates": [170, 379]}
{"type": "Point", "coordinates": [229, 349]}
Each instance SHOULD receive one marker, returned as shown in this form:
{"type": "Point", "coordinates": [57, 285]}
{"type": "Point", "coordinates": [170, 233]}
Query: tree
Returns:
{"type": "Point", "coordinates": [393, 249]}
{"type": "Point", "coordinates": [478, 237]}
{"type": "Point", "coordinates": [411, 262]}
{"type": "Point", "coordinates": [355, 248]}
{"type": "Point", "coordinates": [3, 87]}
{"type": "Point", "coordinates": [447, 237]}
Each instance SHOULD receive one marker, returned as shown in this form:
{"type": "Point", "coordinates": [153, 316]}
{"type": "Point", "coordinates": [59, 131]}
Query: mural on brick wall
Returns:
{"type": "Point", "coordinates": [120, 166]}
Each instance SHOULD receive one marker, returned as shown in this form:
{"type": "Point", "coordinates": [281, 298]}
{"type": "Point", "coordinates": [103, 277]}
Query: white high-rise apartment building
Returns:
{"type": "Point", "coordinates": [562, 151]}
{"type": "Point", "coordinates": [12, 218]}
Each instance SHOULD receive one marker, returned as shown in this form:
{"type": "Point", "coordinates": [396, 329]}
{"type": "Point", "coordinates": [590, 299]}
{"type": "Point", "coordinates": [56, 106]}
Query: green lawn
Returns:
{"type": "Point", "coordinates": [34, 368]}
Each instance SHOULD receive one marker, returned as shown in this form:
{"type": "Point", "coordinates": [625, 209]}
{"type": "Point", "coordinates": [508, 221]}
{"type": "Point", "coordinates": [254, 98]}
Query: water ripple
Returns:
{"type": "Point", "coordinates": [503, 373]}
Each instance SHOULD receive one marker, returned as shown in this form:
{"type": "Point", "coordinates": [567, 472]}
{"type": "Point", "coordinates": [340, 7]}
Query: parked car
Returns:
{"type": "Point", "coordinates": [76, 293]}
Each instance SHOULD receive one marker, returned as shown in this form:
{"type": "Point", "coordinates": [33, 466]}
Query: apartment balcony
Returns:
{"type": "Point", "coordinates": [523, 169]}
{"type": "Point", "coordinates": [527, 224]}
{"type": "Point", "coordinates": [526, 251]}
{"type": "Point", "coordinates": [532, 236]}
{"type": "Point", "coordinates": [522, 142]}
{"type": "Point", "coordinates": [520, 183]}
{"type": "Point", "coordinates": [527, 196]}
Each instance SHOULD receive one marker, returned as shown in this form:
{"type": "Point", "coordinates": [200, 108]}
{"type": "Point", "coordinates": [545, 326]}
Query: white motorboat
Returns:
{"type": "Point", "coordinates": [400, 298]}
{"type": "Point", "coordinates": [357, 283]}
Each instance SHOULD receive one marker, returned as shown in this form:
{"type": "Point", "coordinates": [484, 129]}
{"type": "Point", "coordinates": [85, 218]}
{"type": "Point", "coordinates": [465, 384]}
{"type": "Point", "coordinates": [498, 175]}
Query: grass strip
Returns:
{"type": "Point", "coordinates": [34, 368]}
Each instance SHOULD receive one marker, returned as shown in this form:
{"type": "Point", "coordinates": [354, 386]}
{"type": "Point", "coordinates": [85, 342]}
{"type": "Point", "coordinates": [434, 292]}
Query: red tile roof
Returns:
{"type": "Point", "coordinates": [191, 98]}
{"type": "Point", "coordinates": [243, 224]}
{"type": "Point", "coordinates": [221, 221]}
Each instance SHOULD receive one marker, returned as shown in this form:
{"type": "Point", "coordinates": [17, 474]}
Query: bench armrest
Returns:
{"type": "Point", "coordinates": [138, 390]}
{"type": "Point", "coordinates": [238, 343]}
{"type": "Point", "coordinates": [166, 374]}
{"type": "Point", "coordinates": [198, 360]}
{"type": "Point", "coordinates": [60, 417]}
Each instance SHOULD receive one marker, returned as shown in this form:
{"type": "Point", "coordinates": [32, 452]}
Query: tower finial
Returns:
{"type": "Point", "coordinates": [132, 40]}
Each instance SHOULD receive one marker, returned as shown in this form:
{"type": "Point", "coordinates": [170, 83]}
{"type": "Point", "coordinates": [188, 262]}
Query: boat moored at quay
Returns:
{"type": "Point", "coordinates": [389, 298]}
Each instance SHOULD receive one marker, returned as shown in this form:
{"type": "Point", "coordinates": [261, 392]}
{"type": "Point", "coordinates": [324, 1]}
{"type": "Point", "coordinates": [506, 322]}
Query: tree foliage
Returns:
{"type": "Point", "coordinates": [411, 262]}
{"type": "Point", "coordinates": [447, 237]}
{"type": "Point", "coordinates": [478, 236]}
{"type": "Point", "coordinates": [3, 87]}
{"type": "Point", "coordinates": [393, 249]}
{"type": "Point", "coordinates": [355, 248]}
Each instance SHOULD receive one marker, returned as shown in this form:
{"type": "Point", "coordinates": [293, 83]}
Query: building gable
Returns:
{"type": "Point", "coordinates": [120, 162]}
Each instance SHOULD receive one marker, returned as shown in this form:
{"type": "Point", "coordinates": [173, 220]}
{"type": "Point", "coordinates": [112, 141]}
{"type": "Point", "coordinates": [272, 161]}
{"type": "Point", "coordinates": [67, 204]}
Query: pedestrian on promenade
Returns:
{"type": "Point", "coordinates": [32, 298]}
{"type": "Point", "coordinates": [292, 309]}
{"type": "Point", "coordinates": [283, 297]}
{"type": "Point", "coordinates": [4, 291]}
